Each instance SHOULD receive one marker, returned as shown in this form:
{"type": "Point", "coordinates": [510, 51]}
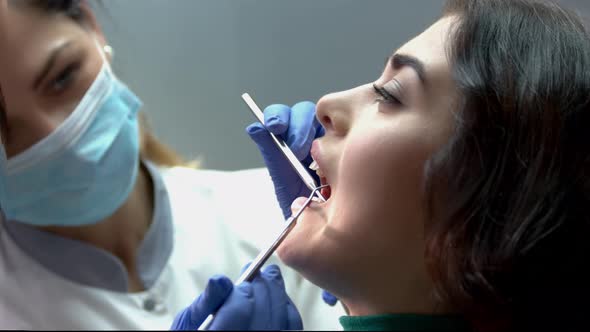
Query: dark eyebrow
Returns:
{"type": "Point", "coordinates": [49, 63]}
{"type": "Point", "coordinates": [403, 60]}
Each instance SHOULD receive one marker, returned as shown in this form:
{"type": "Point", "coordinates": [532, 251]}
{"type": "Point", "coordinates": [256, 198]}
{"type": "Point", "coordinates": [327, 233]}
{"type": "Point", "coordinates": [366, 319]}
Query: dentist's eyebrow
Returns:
{"type": "Point", "coordinates": [49, 63]}
{"type": "Point", "coordinates": [403, 60]}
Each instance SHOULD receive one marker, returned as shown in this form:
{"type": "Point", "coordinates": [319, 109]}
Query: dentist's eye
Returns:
{"type": "Point", "coordinates": [64, 79]}
{"type": "Point", "coordinates": [385, 96]}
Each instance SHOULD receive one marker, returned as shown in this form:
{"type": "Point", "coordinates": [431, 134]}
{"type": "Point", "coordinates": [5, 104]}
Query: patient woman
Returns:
{"type": "Point", "coordinates": [459, 178]}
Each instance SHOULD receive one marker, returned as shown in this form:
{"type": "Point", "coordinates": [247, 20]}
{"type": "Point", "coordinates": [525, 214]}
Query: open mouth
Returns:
{"type": "Point", "coordinates": [327, 191]}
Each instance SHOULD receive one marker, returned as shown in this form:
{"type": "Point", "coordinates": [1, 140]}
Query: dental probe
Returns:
{"type": "Point", "coordinates": [263, 256]}
{"type": "Point", "coordinates": [295, 163]}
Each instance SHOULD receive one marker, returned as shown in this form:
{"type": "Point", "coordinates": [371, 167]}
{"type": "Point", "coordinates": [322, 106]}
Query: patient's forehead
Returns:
{"type": "Point", "coordinates": [430, 47]}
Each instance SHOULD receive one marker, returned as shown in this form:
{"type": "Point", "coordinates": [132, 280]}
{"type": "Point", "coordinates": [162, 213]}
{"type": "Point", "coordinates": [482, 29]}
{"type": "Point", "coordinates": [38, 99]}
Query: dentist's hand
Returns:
{"type": "Point", "coordinates": [262, 304]}
{"type": "Point", "coordinates": [298, 127]}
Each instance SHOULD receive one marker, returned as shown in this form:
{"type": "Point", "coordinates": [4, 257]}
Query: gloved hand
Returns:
{"type": "Point", "coordinates": [298, 127]}
{"type": "Point", "coordinates": [262, 304]}
{"type": "Point", "coordinates": [329, 298]}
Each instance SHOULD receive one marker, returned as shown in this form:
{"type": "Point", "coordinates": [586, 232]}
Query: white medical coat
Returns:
{"type": "Point", "coordinates": [221, 220]}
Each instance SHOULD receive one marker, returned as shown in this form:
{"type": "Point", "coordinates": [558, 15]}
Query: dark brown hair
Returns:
{"type": "Point", "coordinates": [509, 195]}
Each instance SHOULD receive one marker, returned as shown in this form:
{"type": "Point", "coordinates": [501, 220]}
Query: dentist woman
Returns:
{"type": "Point", "coordinates": [103, 227]}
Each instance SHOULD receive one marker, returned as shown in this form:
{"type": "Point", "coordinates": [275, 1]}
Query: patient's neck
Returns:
{"type": "Point", "coordinates": [385, 293]}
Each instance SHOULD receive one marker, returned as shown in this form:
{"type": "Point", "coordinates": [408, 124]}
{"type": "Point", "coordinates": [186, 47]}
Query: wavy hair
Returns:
{"type": "Point", "coordinates": [509, 195]}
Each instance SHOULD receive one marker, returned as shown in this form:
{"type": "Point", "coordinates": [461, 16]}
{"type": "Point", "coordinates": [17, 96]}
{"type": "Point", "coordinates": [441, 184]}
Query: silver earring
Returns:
{"type": "Point", "coordinates": [108, 50]}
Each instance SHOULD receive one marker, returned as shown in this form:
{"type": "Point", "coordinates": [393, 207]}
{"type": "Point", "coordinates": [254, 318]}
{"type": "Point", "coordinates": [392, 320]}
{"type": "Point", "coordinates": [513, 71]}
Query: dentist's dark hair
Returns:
{"type": "Point", "coordinates": [74, 9]}
{"type": "Point", "coordinates": [71, 8]}
{"type": "Point", "coordinates": [509, 195]}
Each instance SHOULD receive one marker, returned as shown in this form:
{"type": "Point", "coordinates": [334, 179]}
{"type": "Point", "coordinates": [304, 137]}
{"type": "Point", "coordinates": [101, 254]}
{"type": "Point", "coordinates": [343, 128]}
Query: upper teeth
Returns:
{"type": "Point", "coordinates": [315, 167]}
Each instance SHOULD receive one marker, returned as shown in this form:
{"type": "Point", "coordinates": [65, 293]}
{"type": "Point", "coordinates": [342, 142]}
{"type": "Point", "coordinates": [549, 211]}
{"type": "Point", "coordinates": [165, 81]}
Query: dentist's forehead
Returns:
{"type": "Point", "coordinates": [28, 38]}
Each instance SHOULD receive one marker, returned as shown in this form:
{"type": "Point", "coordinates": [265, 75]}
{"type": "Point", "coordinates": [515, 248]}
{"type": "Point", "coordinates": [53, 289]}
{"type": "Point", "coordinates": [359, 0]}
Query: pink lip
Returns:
{"type": "Point", "coordinates": [315, 151]}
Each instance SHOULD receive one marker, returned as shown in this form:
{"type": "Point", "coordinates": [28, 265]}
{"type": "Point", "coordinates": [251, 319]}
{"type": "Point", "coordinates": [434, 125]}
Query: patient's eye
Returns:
{"type": "Point", "coordinates": [386, 96]}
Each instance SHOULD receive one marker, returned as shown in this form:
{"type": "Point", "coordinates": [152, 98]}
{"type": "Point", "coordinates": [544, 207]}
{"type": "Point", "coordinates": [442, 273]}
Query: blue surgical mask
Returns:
{"type": "Point", "coordinates": [83, 171]}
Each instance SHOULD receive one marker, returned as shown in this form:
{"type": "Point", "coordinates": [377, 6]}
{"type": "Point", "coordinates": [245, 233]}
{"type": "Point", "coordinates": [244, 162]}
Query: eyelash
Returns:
{"type": "Point", "coordinates": [64, 78]}
{"type": "Point", "coordinates": [385, 96]}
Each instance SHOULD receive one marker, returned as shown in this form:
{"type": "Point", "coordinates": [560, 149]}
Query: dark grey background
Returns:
{"type": "Point", "coordinates": [190, 60]}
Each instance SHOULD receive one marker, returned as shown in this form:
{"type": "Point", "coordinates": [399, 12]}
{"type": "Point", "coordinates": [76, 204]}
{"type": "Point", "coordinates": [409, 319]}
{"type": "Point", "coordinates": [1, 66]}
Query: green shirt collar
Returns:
{"type": "Point", "coordinates": [404, 322]}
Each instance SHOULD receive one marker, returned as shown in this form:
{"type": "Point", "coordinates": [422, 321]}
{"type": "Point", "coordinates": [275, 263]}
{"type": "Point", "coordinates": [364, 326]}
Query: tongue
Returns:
{"type": "Point", "coordinates": [326, 192]}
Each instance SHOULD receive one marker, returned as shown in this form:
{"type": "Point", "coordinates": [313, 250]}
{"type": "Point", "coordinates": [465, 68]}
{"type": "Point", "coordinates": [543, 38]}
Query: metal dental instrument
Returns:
{"type": "Point", "coordinates": [263, 256]}
{"type": "Point", "coordinates": [297, 166]}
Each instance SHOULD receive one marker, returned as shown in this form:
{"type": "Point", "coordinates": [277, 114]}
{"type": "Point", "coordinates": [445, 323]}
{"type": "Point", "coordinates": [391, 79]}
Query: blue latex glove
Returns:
{"type": "Point", "coordinates": [329, 298]}
{"type": "Point", "coordinates": [262, 304]}
{"type": "Point", "coordinates": [298, 126]}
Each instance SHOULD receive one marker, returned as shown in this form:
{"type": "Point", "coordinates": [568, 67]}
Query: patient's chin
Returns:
{"type": "Point", "coordinates": [315, 271]}
{"type": "Point", "coordinates": [292, 255]}
{"type": "Point", "coordinates": [305, 260]}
